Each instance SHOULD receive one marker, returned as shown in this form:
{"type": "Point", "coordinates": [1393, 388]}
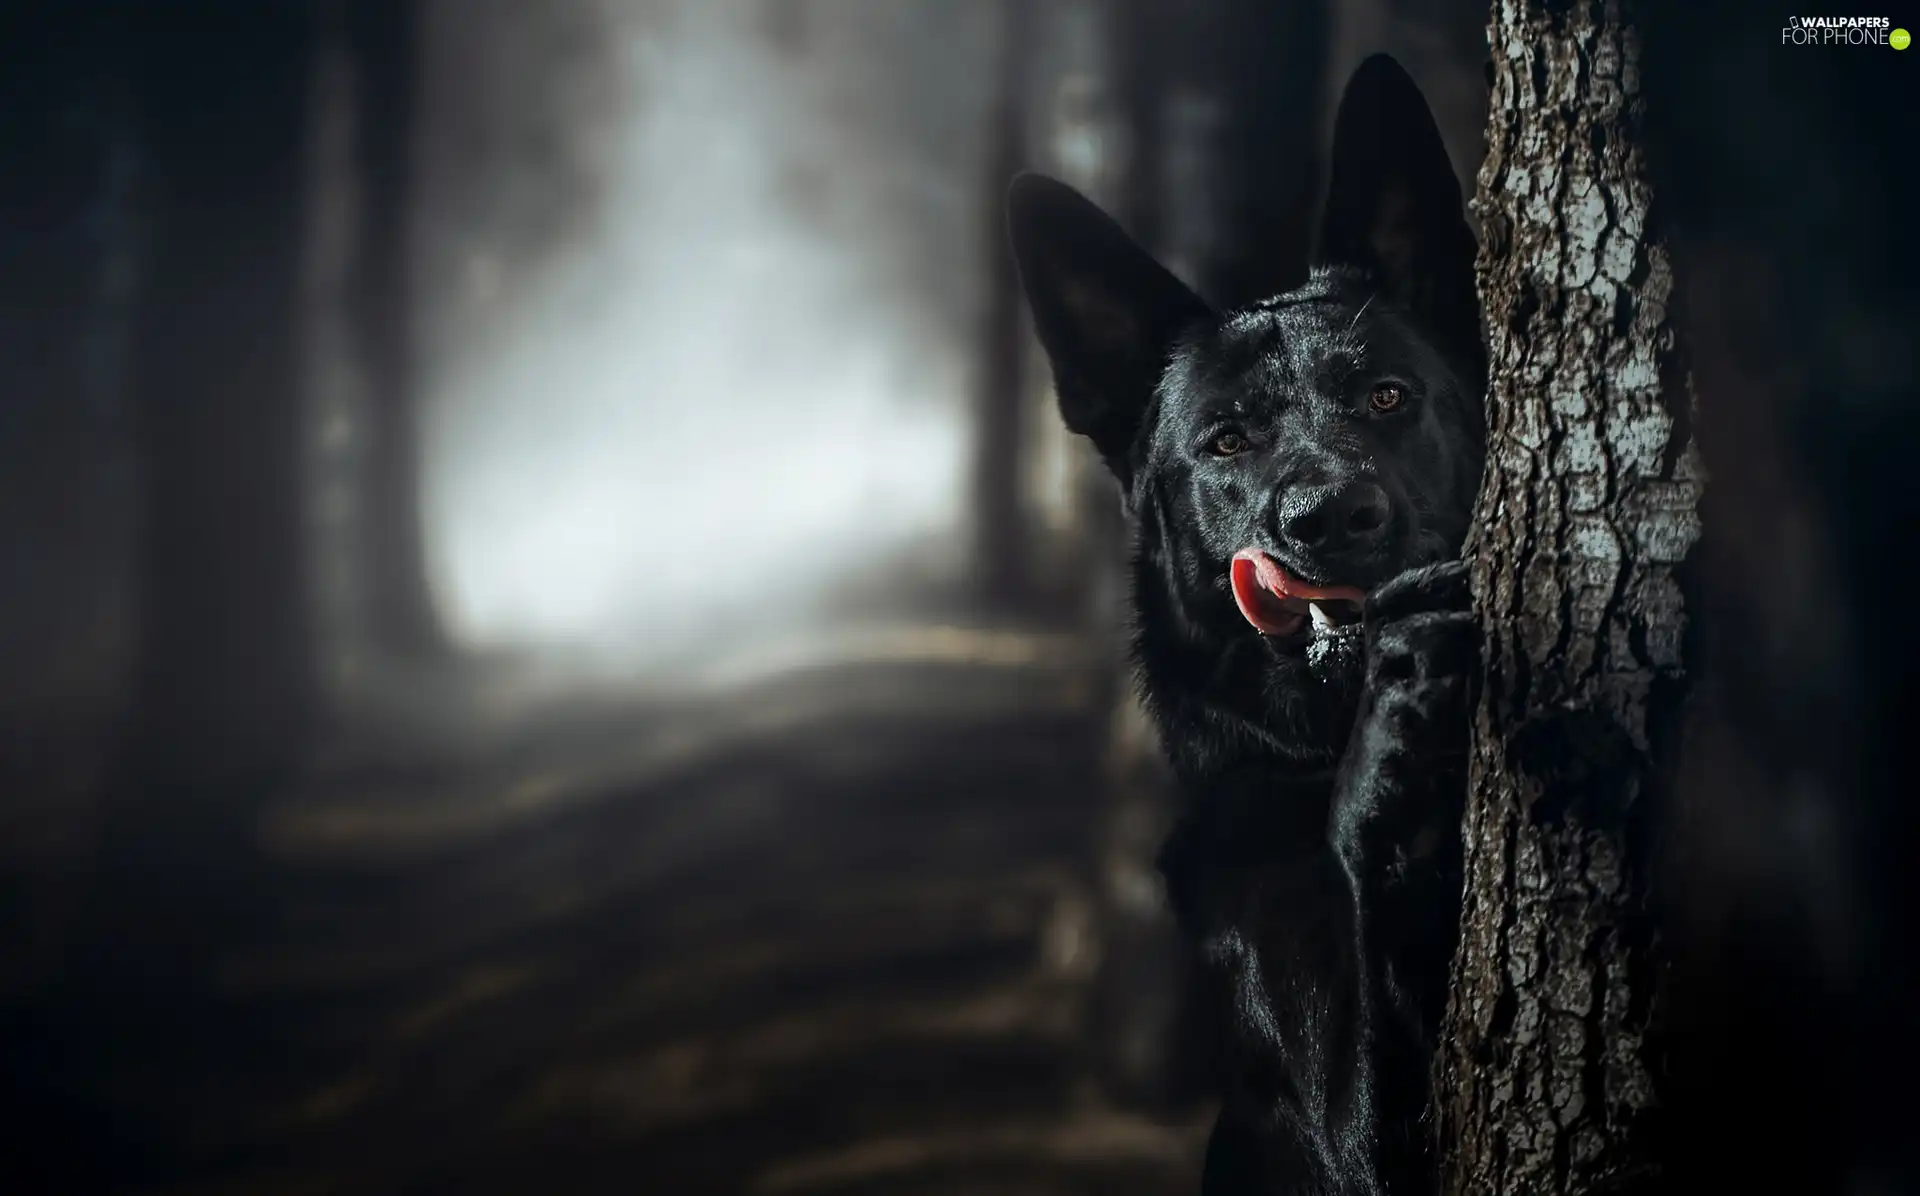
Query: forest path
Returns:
{"type": "Point", "coordinates": [843, 939]}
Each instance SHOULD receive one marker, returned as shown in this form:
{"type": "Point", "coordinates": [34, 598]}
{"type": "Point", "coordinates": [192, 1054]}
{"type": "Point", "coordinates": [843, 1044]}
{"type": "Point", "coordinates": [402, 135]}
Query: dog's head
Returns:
{"type": "Point", "coordinates": [1282, 459]}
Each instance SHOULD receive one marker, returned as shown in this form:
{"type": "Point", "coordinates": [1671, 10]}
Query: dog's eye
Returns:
{"type": "Point", "coordinates": [1388, 396]}
{"type": "Point", "coordinates": [1228, 444]}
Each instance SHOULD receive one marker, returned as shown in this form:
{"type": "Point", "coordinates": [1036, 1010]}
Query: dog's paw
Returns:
{"type": "Point", "coordinates": [1403, 769]}
{"type": "Point", "coordinates": [1423, 651]}
{"type": "Point", "coordinates": [1446, 586]}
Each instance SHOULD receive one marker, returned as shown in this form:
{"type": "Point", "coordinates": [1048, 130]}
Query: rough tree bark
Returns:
{"type": "Point", "coordinates": [1548, 1082]}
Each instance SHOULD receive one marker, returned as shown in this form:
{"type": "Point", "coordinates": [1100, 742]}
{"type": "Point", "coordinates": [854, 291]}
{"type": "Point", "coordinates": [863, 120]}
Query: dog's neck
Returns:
{"type": "Point", "coordinates": [1247, 804]}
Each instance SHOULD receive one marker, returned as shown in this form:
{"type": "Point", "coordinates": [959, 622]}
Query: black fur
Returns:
{"type": "Point", "coordinates": [1316, 863]}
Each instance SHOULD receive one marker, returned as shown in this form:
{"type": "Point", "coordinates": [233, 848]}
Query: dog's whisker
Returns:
{"type": "Point", "coordinates": [1363, 311]}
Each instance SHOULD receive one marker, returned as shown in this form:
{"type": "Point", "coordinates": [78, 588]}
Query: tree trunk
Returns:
{"type": "Point", "coordinates": [1142, 1007]}
{"type": "Point", "coordinates": [224, 685]}
{"type": "Point", "coordinates": [1000, 520]}
{"type": "Point", "coordinates": [384, 40]}
{"type": "Point", "coordinates": [1548, 1080]}
{"type": "Point", "coordinates": [1274, 57]}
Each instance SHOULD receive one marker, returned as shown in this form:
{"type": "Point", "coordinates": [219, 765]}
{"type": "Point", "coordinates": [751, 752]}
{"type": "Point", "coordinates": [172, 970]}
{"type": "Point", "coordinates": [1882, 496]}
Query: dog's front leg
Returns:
{"type": "Point", "coordinates": [1395, 827]}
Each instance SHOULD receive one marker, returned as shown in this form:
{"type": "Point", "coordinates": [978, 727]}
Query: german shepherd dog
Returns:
{"type": "Point", "coordinates": [1299, 476]}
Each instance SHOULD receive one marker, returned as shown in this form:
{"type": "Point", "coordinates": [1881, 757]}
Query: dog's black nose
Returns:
{"type": "Point", "coordinates": [1334, 520]}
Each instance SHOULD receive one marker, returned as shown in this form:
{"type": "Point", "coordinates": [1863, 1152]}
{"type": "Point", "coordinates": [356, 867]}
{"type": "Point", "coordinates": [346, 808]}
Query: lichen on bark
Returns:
{"type": "Point", "coordinates": [1545, 1081]}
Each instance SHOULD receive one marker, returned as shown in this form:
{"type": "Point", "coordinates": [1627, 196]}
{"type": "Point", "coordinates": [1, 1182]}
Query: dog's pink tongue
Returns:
{"type": "Point", "coordinates": [1262, 604]}
{"type": "Point", "coordinates": [1273, 600]}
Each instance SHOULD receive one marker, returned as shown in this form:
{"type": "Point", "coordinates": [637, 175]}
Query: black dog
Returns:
{"type": "Point", "coordinates": [1299, 475]}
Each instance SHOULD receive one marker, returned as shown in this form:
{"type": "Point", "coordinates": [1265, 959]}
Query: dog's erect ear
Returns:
{"type": "Point", "coordinates": [1105, 311]}
{"type": "Point", "coordinates": [1393, 201]}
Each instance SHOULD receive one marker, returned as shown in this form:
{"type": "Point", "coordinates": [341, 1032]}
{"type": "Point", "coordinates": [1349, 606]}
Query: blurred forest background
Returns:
{"type": "Point", "coordinates": [550, 638]}
{"type": "Point", "coordinates": [554, 640]}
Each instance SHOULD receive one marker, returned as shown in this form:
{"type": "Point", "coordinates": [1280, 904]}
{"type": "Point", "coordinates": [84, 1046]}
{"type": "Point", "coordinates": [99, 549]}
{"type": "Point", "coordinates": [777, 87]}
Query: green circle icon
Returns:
{"type": "Point", "coordinates": [1899, 39]}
